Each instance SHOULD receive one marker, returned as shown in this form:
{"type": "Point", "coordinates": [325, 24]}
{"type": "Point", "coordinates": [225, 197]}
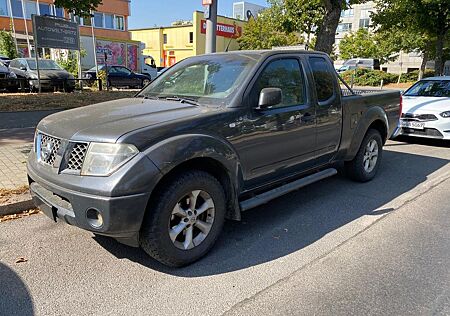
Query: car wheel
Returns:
{"type": "Point", "coordinates": [185, 220]}
{"type": "Point", "coordinates": [365, 165]}
{"type": "Point", "coordinates": [145, 82]}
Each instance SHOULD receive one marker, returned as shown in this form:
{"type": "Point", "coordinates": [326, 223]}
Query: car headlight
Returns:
{"type": "Point", "coordinates": [102, 159]}
{"type": "Point", "coordinates": [12, 75]}
{"type": "Point", "coordinates": [87, 76]}
{"type": "Point", "coordinates": [445, 114]}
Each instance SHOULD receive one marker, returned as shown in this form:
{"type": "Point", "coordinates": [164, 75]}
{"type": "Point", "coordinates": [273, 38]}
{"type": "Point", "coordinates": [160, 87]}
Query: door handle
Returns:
{"type": "Point", "coordinates": [307, 117]}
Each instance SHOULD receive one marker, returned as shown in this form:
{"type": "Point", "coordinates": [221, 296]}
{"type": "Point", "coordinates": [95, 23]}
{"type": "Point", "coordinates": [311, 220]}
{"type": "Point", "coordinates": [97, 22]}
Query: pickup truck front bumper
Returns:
{"type": "Point", "coordinates": [81, 202]}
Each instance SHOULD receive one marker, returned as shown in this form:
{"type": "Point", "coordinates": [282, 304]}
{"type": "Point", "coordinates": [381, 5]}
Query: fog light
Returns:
{"type": "Point", "coordinates": [94, 218]}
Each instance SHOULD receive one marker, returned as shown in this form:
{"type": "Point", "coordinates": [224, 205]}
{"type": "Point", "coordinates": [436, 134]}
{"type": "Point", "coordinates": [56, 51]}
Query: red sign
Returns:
{"type": "Point", "coordinates": [207, 2]}
{"type": "Point", "coordinates": [225, 30]}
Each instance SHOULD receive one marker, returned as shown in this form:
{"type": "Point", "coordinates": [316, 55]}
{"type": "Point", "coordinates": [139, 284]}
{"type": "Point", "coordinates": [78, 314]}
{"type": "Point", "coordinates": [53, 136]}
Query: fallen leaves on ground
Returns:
{"type": "Point", "coordinates": [19, 215]}
{"type": "Point", "coordinates": [7, 194]}
{"type": "Point", "coordinates": [21, 260]}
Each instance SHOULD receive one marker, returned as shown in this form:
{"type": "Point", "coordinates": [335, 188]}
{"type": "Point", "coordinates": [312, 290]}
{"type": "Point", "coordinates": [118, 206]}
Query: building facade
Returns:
{"type": "Point", "coordinates": [109, 24]}
{"type": "Point", "coordinates": [244, 10]}
{"type": "Point", "coordinates": [168, 45]}
{"type": "Point", "coordinates": [358, 16]}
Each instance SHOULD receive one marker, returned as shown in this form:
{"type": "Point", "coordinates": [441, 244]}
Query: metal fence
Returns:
{"type": "Point", "coordinates": [52, 85]}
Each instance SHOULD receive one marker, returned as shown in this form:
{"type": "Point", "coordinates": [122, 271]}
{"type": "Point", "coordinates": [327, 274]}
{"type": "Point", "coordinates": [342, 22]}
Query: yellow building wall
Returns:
{"type": "Point", "coordinates": [178, 47]}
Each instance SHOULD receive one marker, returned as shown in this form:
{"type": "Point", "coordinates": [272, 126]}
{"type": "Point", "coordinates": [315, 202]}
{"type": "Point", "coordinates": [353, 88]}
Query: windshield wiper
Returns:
{"type": "Point", "coordinates": [182, 100]}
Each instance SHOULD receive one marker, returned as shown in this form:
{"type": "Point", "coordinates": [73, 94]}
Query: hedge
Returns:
{"type": "Point", "coordinates": [368, 77]}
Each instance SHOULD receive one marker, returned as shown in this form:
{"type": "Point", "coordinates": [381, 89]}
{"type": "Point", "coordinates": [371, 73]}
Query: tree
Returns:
{"type": "Point", "coordinates": [266, 32]}
{"type": "Point", "coordinates": [7, 45]}
{"type": "Point", "coordinates": [427, 19]}
{"type": "Point", "coordinates": [364, 44]}
{"type": "Point", "coordinates": [81, 8]}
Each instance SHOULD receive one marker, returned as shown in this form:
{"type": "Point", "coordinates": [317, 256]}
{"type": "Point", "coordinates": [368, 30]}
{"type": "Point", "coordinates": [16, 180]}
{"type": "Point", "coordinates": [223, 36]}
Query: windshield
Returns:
{"type": "Point", "coordinates": [430, 88]}
{"type": "Point", "coordinates": [94, 69]}
{"type": "Point", "coordinates": [44, 64]}
{"type": "Point", "coordinates": [204, 79]}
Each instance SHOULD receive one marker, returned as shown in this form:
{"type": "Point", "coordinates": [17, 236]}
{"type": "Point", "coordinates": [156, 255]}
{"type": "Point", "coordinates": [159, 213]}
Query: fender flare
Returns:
{"type": "Point", "coordinates": [374, 114]}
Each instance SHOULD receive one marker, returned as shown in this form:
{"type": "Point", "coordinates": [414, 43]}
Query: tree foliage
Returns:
{"type": "Point", "coordinates": [365, 44]}
{"type": "Point", "coordinates": [425, 25]}
{"type": "Point", "coordinates": [7, 45]}
{"type": "Point", "coordinates": [267, 31]}
{"type": "Point", "coordinates": [81, 8]}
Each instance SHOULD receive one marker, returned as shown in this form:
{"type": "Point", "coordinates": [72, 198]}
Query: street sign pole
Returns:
{"type": "Point", "coordinates": [211, 26]}
{"type": "Point", "coordinates": [36, 55]}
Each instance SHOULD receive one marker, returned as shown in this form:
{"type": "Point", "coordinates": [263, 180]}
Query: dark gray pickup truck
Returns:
{"type": "Point", "coordinates": [213, 136]}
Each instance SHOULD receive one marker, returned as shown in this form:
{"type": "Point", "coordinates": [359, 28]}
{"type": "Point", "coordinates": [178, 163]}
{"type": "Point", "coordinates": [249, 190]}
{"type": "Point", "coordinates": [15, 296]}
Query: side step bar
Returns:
{"type": "Point", "coordinates": [265, 197]}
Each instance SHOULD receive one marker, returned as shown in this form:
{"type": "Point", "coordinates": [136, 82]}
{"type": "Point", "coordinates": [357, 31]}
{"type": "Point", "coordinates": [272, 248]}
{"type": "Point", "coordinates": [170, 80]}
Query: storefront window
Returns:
{"type": "Point", "coordinates": [109, 21]}
{"type": "Point", "coordinates": [120, 23]}
{"type": "Point", "coordinates": [4, 8]}
{"type": "Point", "coordinates": [30, 8]}
{"type": "Point", "coordinates": [44, 9]}
{"type": "Point", "coordinates": [98, 19]}
{"type": "Point", "coordinates": [59, 12]}
{"type": "Point", "coordinates": [17, 8]}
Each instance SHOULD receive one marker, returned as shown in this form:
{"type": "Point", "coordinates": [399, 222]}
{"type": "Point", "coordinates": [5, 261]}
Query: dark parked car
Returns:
{"type": "Point", "coordinates": [213, 136]}
{"type": "Point", "coordinates": [119, 76]}
{"type": "Point", "coordinates": [8, 79]}
{"type": "Point", "coordinates": [53, 77]}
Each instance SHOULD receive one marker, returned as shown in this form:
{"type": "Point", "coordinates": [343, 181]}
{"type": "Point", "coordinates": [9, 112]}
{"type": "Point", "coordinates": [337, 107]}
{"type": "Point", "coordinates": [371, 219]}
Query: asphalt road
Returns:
{"type": "Point", "coordinates": [24, 119]}
{"type": "Point", "coordinates": [336, 247]}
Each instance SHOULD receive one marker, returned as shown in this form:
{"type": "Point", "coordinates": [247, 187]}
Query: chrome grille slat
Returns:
{"type": "Point", "coordinates": [76, 157]}
{"type": "Point", "coordinates": [419, 117]}
{"type": "Point", "coordinates": [55, 145]}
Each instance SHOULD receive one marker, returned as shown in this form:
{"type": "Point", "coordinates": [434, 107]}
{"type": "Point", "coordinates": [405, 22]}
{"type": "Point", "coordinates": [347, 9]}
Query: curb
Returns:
{"type": "Point", "coordinates": [20, 204]}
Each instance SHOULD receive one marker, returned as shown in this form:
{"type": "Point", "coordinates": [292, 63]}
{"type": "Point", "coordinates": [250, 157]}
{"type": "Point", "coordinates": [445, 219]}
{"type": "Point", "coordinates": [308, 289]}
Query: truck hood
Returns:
{"type": "Point", "coordinates": [107, 121]}
{"type": "Point", "coordinates": [424, 105]}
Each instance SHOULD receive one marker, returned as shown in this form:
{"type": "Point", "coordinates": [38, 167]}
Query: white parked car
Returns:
{"type": "Point", "coordinates": [426, 109]}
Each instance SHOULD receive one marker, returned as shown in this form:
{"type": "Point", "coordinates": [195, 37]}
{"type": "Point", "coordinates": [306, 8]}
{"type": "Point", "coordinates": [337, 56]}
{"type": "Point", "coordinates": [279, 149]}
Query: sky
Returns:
{"type": "Point", "coordinates": [148, 13]}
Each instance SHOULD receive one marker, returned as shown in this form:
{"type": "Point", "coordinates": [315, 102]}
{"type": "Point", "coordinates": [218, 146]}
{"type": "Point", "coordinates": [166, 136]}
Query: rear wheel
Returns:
{"type": "Point", "coordinates": [365, 165]}
{"type": "Point", "coordinates": [184, 222]}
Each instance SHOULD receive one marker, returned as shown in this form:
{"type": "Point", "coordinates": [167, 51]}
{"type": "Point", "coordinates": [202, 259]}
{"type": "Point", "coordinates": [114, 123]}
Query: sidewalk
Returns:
{"type": "Point", "coordinates": [15, 144]}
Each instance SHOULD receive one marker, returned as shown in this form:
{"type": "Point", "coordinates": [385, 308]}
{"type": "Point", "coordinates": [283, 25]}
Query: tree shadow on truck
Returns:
{"type": "Point", "coordinates": [292, 222]}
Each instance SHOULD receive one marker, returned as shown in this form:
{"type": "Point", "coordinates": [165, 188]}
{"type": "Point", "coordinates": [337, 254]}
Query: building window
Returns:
{"type": "Point", "coordinates": [347, 13]}
{"type": "Point", "coordinates": [75, 18]}
{"type": "Point", "coordinates": [120, 23]}
{"type": "Point", "coordinates": [98, 19]}
{"type": "Point", "coordinates": [30, 8]}
{"type": "Point", "coordinates": [109, 21]}
{"type": "Point", "coordinates": [16, 6]}
{"type": "Point", "coordinates": [44, 9]}
{"type": "Point", "coordinates": [191, 37]}
{"type": "Point", "coordinates": [364, 23]}
{"type": "Point", "coordinates": [365, 13]}
{"type": "Point", "coordinates": [87, 21]}
{"type": "Point", "coordinates": [59, 12]}
{"type": "Point", "coordinates": [165, 38]}
{"type": "Point", "coordinates": [4, 8]}
{"type": "Point", "coordinates": [344, 27]}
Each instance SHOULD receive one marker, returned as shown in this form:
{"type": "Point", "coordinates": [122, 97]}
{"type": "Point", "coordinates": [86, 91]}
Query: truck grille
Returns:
{"type": "Point", "coordinates": [49, 147]}
{"type": "Point", "coordinates": [77, 156]}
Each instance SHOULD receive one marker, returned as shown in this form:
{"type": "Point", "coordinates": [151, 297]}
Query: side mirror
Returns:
{"type": "Point", "coordinates": [23, 68]}
{"type": "Point", "coordinates": [269, 97]}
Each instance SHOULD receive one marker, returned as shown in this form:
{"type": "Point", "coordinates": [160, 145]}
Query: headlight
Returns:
{"type": "Point", "coordinates": [445, 114]}
{"type": "Point", "coordinates": [87, 76]}
{"type": "Point", "coordinates": [103, 159]}
{"type": "Point", "coordinates": [12, 75]}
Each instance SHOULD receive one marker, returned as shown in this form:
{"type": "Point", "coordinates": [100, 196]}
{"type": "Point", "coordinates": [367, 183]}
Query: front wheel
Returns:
{"type": "Point", "coordinates": [365, 165]}
{"type": "Point", "coordinates": [185, 220]}
{"type": "Point", "coordinates": [144, 83]}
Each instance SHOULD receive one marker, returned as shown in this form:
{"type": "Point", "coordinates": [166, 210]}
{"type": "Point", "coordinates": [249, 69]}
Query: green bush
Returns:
{"type": "Point", "coordinates": [368, 77]}
{"type": "Point", "coordinates": [414, 75]}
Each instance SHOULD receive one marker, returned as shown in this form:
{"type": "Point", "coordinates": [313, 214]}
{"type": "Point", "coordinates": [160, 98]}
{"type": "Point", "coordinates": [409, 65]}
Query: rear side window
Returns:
{"type": "Point", "coordinates": [323, 78]}
{"type": "Point", "coordinates": [285, 74]}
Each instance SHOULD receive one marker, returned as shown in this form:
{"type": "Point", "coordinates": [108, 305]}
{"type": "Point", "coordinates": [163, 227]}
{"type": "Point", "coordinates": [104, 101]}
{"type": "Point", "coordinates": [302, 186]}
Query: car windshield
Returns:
{"type": "Point", "coordinates": [430, 88]}
{"type": "Point", "coordinates": [44, 64]}
{"type": "Point", "coordinates": [100, 68]}
{"type": "Point", "coordinates": [210, 78]}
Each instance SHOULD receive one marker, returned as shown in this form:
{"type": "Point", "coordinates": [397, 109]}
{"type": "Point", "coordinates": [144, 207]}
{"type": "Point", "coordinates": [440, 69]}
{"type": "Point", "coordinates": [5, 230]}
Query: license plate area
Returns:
{"type": "Point", "coordinates": [412, 124]}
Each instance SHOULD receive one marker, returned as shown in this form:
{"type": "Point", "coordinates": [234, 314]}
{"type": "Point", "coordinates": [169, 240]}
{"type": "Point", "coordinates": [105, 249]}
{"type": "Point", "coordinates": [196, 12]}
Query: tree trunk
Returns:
{"type": "Point", "coordinates": [423, 65]}
{"type": "Point", "coordinates": [438, 62]}
{"type": "Point", "coordinates": [327, 31]}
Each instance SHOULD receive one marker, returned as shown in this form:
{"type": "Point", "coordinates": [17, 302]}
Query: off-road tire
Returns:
{"type": "Point", "coordinates": [354, 169]}
{"type": "Point", "coordinates": [154, 236]}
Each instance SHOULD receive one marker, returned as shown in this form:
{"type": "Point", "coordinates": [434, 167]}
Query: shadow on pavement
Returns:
{"type": "Point", "coordinates": [16, 135]}
{"type": "Point", "coordinates": [421, 141]}
{"type": "Point", "coordinates": [15, 298]}
{"type": "Point", "coordinates": [297, 220]}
